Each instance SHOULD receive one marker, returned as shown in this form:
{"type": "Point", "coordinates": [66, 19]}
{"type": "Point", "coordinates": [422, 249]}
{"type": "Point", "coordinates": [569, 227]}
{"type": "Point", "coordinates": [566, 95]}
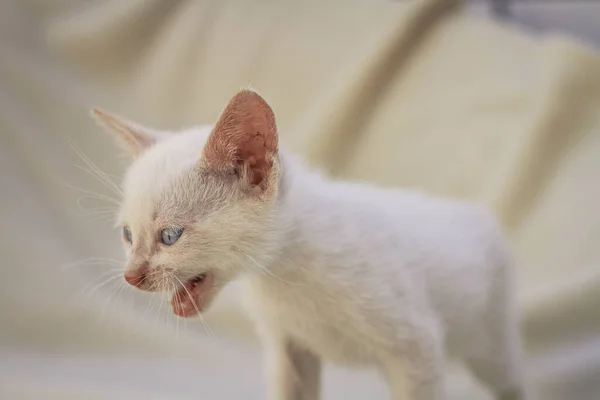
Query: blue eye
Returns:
{"type": "Point", "coordinates": [170, 235]}
{"type": "Point", "coordinates": [127, 234]}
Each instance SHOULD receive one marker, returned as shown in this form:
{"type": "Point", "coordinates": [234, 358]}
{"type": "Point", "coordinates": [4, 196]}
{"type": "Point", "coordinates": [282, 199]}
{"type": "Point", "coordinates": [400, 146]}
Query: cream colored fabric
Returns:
{"type": "Point", "coordinates": [416, 94]}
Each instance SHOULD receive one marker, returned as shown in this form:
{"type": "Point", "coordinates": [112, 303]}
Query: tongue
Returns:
{"type": "Point", "coordinates": [186, 301]}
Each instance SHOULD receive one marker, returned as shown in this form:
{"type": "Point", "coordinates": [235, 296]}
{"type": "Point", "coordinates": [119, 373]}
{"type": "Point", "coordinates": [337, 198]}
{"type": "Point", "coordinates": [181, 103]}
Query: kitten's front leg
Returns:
{"type": "Point", "coordinates": [418, 373]}
{"type": "Point", "coordinates": [294, 373]}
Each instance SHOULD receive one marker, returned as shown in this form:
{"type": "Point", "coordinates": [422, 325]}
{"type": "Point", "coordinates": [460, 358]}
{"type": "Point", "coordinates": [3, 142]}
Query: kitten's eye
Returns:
{"type": "Point", "coordinates": [127, 234]}
{"type": "Point", "coordinates": [170, 235]}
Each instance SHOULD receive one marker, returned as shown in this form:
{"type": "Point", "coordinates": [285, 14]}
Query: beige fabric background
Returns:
{"type": "Point", "coordinates": [405, 93]}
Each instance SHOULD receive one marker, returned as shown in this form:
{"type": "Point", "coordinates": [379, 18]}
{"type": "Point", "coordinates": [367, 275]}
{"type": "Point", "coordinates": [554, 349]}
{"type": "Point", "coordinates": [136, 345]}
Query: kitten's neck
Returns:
{"type": "Point", "coordinates": [303, 217]}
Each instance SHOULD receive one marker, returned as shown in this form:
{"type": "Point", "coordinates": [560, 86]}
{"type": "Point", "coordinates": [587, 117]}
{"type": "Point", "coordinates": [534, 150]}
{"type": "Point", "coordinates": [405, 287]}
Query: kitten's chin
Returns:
{"type": "Point", "coordinates": [194, 296]}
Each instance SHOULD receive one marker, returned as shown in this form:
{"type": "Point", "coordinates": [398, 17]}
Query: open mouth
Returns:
{"type": "Point", "coordinates": [190, 298]}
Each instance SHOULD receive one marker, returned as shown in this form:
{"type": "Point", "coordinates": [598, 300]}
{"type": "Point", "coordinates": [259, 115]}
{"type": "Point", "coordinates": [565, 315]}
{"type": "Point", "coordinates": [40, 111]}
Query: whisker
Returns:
{"type": "Point", "coordinates": [88, 194]}
{"type": "Point", "coordinates": [177, 304]}
{"type": "Point", "coordinates": [97, 215]}
{"type": "Point", "coordinates": [98, 211]}
{"type": "Point", "coordinates": [92, 290]}
{"type": "Point", "coordinates": [150, 302]}
{"type": "Point", "coordinates": [266, 271]}
{"type": "Point", "coordinates": [166, 284]}
{"type": "Point", "coordinates": [94, 170]}
{"type": "Point", "coordinates": [206, 327]}
{"type": "Point", "coordinates": [92, 261]}
{"type": "Point", "coordinates": [162, 299]}
{"type": "Point", "coordinates": [173, 287]}
{"type": "Point", "coordinates": [150, 306]}
{"type": "Point", "coordinates": [107, 218]}
{"type": "Point", "coordinates": [104, 178]}
{"type": "Point", "coordinates": [115, 293]}
{"type": "Point", "coordinates": [122, 287]}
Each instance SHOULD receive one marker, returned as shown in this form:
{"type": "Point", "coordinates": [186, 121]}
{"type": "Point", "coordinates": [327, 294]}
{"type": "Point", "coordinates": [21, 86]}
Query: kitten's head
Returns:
{"type": "Point", "coordinates": [199, 205]}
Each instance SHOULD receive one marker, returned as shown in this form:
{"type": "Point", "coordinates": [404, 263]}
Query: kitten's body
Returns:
{"type": "Point", "coordinates": [363, 274]}
{"type": "Point", "coordinates": [335, 270]}
{"type": "Point", "coordinates": [353, 250]}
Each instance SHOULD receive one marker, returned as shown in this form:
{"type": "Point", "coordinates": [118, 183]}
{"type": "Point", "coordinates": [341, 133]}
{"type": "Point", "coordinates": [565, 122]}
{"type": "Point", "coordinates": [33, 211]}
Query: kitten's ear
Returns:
{"type": "Point", "coordinates": [245, 141]}
{"type": "Point", "coordinates": [133, 137]}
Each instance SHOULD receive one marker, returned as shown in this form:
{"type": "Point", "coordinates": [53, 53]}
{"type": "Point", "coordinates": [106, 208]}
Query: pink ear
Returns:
{"type": "Point", "coordinates": [244, 140]}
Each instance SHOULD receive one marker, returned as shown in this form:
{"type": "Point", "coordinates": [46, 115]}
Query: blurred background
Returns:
{"type": "Point", "coordinates": [494, 101]}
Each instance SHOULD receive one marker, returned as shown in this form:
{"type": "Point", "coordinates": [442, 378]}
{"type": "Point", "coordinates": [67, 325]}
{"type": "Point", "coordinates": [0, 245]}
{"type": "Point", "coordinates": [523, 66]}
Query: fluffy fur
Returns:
{"type": "Point", "coordinates": [335, 270]}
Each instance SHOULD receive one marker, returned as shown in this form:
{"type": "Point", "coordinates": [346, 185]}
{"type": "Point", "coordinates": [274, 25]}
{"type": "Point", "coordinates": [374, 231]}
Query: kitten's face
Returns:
{"type": "Point", "coordinates": [198, 206]}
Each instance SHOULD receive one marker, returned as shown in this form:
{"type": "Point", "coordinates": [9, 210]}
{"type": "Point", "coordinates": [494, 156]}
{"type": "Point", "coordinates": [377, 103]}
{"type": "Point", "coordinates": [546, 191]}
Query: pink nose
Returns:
{"type": "Point", "coordinates": [136, 277]}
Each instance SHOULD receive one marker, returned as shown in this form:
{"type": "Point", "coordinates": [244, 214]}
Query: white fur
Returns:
{"type": "Point", "coordinates": [360, 276]}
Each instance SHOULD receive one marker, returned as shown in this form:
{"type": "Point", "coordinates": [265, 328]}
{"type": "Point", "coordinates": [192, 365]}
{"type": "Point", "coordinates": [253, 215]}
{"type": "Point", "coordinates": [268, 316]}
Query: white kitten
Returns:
{"type": "Point", "coordinates": [335, 270]}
